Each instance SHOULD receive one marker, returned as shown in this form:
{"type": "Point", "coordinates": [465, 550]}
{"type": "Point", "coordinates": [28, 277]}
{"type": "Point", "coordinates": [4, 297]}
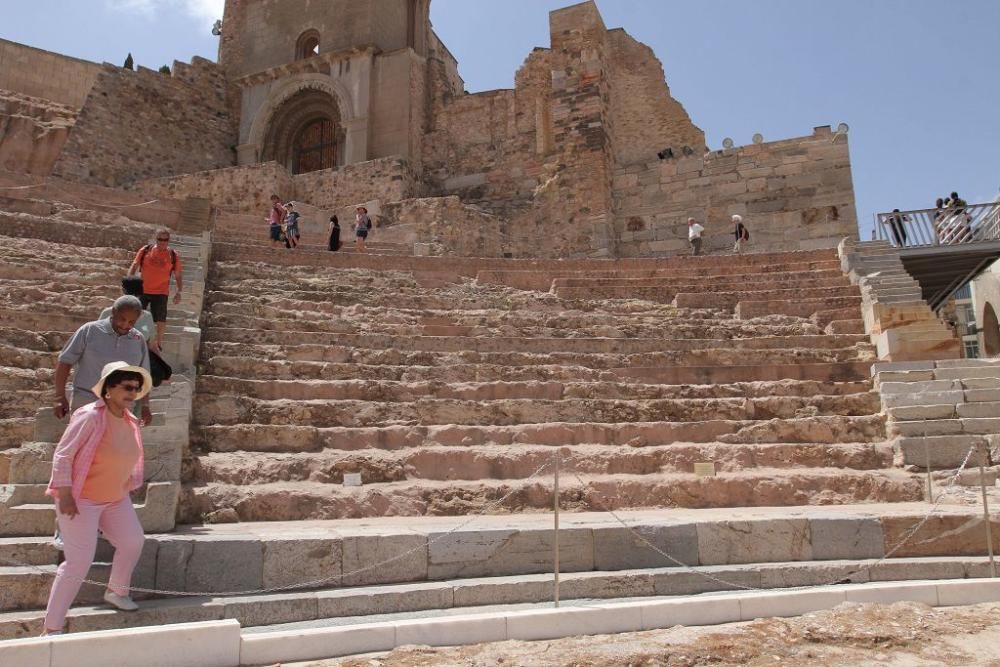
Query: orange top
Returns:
{"type": "Point", "coordinates": [156, 268]}
{"type": "Point", "coordinates": [111, 469]}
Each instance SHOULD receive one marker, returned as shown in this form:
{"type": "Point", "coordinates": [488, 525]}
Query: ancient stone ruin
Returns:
{"type": "Point", "coordinates": [338, 421]}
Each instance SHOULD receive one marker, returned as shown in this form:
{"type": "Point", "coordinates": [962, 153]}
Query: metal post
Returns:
{"type": "Point", "coordinates": [986, 509]}
{"type": "Point", "coordinates": [555, 519]}
{"type": "Point", "coordinates": [927, 462]}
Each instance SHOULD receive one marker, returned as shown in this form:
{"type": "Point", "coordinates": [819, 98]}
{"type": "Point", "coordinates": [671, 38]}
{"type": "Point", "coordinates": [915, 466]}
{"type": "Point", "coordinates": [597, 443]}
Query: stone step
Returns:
{"type": "Point", "coordinates": [829, 277]}
{"type": "Point", "coordinates": [940, 451]}
{"type": "Point", "coordinates": [729, 300]}
{"type": "Point", "coordinates": [375, 603]}
{"type": "Point", "coordinates": [748, 309]}
{"type": "Point", "coordinates": [520, 461]}
{"type": "Point", "coordinates": [289, 501]}
{"type": "Point", "coordinates": [236, 409]}
{"type": "Point", "coordinates": [945, 426]}
{"type": "Point", "coordinates": [977, 389]}
{"type": "Point", "coordinates": [707, 356]}
{"type": "Point", "coordinates": [304, 438]}
{"type": "Point", "coordinates": [260, 336]}
{"type": "Point", "coordinates": [666, 291]}
{"type": "Point", "coordinates": [367, 390]}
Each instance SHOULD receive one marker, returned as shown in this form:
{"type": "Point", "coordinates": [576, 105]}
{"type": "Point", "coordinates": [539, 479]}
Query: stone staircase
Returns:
{"type": "Point", "coordinates": [446, 383]}
{"type": "Point", "coordinates": [901, 324]}
{"type": "Point", "coordinates": [253, 229]}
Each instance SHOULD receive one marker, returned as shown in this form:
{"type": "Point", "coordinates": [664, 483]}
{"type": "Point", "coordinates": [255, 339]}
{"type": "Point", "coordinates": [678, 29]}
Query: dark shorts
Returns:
{"type": "Point", "coordinates": [362, 233]}
{"type": "Point", "coordinates": [275, 232]}
{"type": "Point", "coordinates": [155, 304]}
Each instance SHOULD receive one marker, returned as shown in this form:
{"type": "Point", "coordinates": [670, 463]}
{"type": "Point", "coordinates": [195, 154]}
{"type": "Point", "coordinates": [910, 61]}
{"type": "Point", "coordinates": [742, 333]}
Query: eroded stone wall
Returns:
{"type": "Point", "coordinates": [141, 125]}
{"type": "Point", "coordinates": [46, 75]}
{"type": "Point", "coordinates": [32, 132]}
{"type": "Point", "coordinates": [795, 194]}
{"type": "Point", "coordinates": [443, 226]}
{"type": "Point", "coordinates": [386, 180]}
{"type": "Point", "coordinates": [243, 189]}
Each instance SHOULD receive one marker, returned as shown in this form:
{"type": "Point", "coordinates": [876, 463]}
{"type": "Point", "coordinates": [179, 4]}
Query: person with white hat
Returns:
{"type": "Point", "coordinates": [97, 463]}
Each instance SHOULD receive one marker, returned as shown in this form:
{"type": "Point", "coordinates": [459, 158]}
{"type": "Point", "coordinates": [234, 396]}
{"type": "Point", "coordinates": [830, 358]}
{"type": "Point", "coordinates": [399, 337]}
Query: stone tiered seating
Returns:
{"type": "Point", "coordinates": [447, 398]}
{"type": "Point", "coordinates": [243, 228]}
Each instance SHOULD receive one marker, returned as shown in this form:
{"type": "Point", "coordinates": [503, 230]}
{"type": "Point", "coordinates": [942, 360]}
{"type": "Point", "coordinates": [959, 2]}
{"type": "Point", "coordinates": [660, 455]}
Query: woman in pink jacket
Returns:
{"type": "Point", "coordinates": [98, 461]}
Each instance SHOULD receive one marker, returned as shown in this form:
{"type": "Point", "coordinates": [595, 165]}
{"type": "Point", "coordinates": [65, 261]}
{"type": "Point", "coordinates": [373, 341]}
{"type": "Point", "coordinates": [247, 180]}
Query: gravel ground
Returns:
{"type": "Point", "coordinates": [905, 634]}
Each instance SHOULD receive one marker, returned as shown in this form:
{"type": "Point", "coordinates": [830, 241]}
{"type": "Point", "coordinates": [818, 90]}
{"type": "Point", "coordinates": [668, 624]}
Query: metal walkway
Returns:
{"type": "Point", "coordinates": [944, 248]}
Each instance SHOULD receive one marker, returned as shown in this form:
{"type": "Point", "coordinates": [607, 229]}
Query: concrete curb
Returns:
{"type": "Point", "coordinates": [219, 643]}
{"type": "Point", "coordinates": [567, 621]}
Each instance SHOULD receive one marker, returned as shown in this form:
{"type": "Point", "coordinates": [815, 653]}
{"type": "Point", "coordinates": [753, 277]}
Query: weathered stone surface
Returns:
{"type": "Point", "coordinates": [508, 552]}
{"type": "Point", "coordinates": [378, 559]}
{"type": "Point", "coordinates": [295, 561]}
{"type": "Point", "coordinates": [754, 541]}
{"type": "Point", "coordinates": [216, 566]}
{"type": "Point", "coordinates": [846, 538]}
{"type": "Point", "coordinates": [619, 548]}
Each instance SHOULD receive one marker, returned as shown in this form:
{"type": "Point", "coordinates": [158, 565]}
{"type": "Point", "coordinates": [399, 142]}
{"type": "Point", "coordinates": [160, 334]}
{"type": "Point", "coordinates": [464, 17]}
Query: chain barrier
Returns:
{"type": "Point", "coordinates": [76, 196]}
{"type": "Point", "coordinates": [317, 583]}
{"type": "Point", "coordinates": [601, 507]}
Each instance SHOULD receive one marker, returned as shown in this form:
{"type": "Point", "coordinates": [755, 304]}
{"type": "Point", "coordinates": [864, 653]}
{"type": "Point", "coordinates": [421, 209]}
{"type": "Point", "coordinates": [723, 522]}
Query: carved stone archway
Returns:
{"type": "Point", "coordinates": [306, 133]}
{"type": "Point", "coordinates": [267, 118]}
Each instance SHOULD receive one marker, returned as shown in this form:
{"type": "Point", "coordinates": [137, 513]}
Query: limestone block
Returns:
{"type": "Point", "coordinates": [297, 561]}
{"type": "Point", "coordinates": [944, 451]}
{"type": "Point", "coordinates": [915, 412]}
{"type": "Point", "coordinates": [762, 541]}
{"type": "Point", "coordinates": [315, 644]}
{"type": "Point", "coordinates": [983, 396]}
{"type": "Point", "coordinates": [917, 387]}
{"type": "Point", "coordinates": [687, 582]}
{"type": "Point", "coordinates": [385, 600]}
{"type": "Point", "coordinates": [26, 652]}
{"type": "Point", "coordinates": [505, 552]}
{"type": "Point", "coordinates": [213, 565]}
{"type": "Point", "coordinates": [599, 585]}
{"type": "Point", "coordinates": [927, 427]}
{"type": "Point", "coordinates": [941, 535]}
{"type": "Point", "coordinates": [489, 591]}
{"type": "Point", "coordinates": [159, 511]}
{"type": "Point", "coordinates": [835, 538]}
{"type": "Point", "coordinates": [787, 603]}
{"type": "Point", "coordinates": [695, 611]}
{"type": "Point", "coordinates": [915, 569]}
{"type": "Point", "coordinates": [155, 612]}
{"type": "Point", "coordinates": [616, 548]}
{"type": "Point", "coordinates": [985, 426]}
{"type": "Point", "coordinates": [979, 410]}
{"type": "Point", "coordinates": [378, 559]}
{"type": "Point", "coordinates": [469, 629]}
{"type": "Point", "coordinates": [273, 609]}
{"type": "Point", "coordinates": [965, 373]}
{"type": "Point", "coordinates": [208, 644]}
{"type": "Point", "coordinates": [982, 383]}
{"type": "Point", "coordinates": [793, 575]}
{"type": "Point", "coordinates": [953, 396]}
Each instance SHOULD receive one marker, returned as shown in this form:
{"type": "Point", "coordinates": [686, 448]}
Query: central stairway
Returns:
{"type": "Point", "coordinates": [446, 398]}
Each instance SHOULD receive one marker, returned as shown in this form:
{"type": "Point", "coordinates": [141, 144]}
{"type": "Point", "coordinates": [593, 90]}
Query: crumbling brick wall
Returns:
{"type": "Point", "coordinates": [32, 132]}
{"type": "Point", "coordinates": [795, 194]}
{"type": "Point", "coordinates": [140, 125]}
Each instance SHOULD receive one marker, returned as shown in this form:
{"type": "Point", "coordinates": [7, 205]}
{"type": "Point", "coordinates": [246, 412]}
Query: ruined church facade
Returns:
{"type": "Point", "coordinates": [349, 102]}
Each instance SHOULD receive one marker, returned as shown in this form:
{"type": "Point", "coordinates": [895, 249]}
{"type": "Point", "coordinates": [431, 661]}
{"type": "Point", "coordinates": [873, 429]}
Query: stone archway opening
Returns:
{"type": "Point", "coordinates": [306, 133]}
{"type": "Point", "coordinates": [991, 332]}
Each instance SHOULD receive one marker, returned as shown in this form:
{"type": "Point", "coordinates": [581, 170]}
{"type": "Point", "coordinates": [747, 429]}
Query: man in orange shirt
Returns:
{"type": "Point", "coordinates": [156, 262]}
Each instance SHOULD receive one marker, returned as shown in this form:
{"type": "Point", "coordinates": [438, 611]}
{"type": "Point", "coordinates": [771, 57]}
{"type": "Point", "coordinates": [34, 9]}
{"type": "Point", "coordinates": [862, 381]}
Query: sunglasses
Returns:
{"type": "Point", "coordinates": [136, 388]}
{"type": "Point", "coordinates": [159, 238]}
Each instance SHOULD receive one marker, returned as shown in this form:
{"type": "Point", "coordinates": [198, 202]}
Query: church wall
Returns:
{"type": "Point", "coordinates": [795, 194]}
{"type": "Point", "coordinates": [141, 125]}
{"type": "Point", "coordinates": [645, 118]}
{"type": "Point", "coordinates": [385, 180]}
{"type": "Point", "coordinates": [390, 125]}
{"type": "Point", "coordinates": [46, 75]}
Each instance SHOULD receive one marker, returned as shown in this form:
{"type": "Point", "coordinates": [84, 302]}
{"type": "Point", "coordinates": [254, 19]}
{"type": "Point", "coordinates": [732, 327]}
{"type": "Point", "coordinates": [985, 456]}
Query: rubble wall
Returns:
{"type": "Point", "coordinates": [645, 117]}
{"type": "Point", "coordinates": [386, 180]}
{"type": "Point", "coordinates": [46, 75]}
{"type": "Point", "coordinates": [442, 226]}
{"type": "Point", "coordinates": [243, 189]}
{"type": "Point", "coordinates": [32, 132]}
{"type": "Point", "coordinates": [140, 125]}
{"type": "Point", "coordinates": [795, 194]}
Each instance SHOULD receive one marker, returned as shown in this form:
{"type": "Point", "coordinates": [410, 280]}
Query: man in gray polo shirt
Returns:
{"type": "Point", "coordinates": [96, 344]}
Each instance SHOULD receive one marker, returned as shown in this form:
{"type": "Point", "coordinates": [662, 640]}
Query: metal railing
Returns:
{"type": "Point", "coordinates": [940, 226]}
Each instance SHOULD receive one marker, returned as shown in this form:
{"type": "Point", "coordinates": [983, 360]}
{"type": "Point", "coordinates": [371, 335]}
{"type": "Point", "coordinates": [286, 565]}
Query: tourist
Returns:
{"type": "Point", "coordinates": [362, 224]}
{"type": "Point", "coordinates": [156, 263]}
{"type": "Point", "coordinates": [275, 220]}
{"type": "Point", "coordinates": [897, 223]}
{"type": "Point", "coordinates": [94, 345]}
{"type": "Point", "coordinates": [740, 233]}
{"type": "Point", "coordinates": [292, 234]}
{"type": "Point", "coordinates": [694, 236]}
{"type": "Point", "coordinates": [334, 241]}
{"type": "Point", "coordinates": [98, 461]}
{"type": "Point", "coordinates": [957, 226]}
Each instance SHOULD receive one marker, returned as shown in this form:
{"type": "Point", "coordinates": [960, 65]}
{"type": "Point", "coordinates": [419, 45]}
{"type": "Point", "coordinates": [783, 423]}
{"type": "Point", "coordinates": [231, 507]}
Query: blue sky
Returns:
{"type": "Point", "coordinates": [917, 80]}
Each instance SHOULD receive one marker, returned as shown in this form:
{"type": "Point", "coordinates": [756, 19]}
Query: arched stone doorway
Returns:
{"type": "Point", "coordinates": [306, 133]}
{"type": "Point", "coordinates": [991, 332]}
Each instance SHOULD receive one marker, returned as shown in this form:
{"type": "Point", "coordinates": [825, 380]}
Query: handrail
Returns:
{"type": "Point", "coordinates": [940, 226]}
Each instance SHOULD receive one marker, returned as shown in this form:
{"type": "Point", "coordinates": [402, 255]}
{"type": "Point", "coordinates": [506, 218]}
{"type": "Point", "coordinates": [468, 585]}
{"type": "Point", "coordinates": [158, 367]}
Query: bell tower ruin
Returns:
{"type": "Point", "coordinates": [328, 84]}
